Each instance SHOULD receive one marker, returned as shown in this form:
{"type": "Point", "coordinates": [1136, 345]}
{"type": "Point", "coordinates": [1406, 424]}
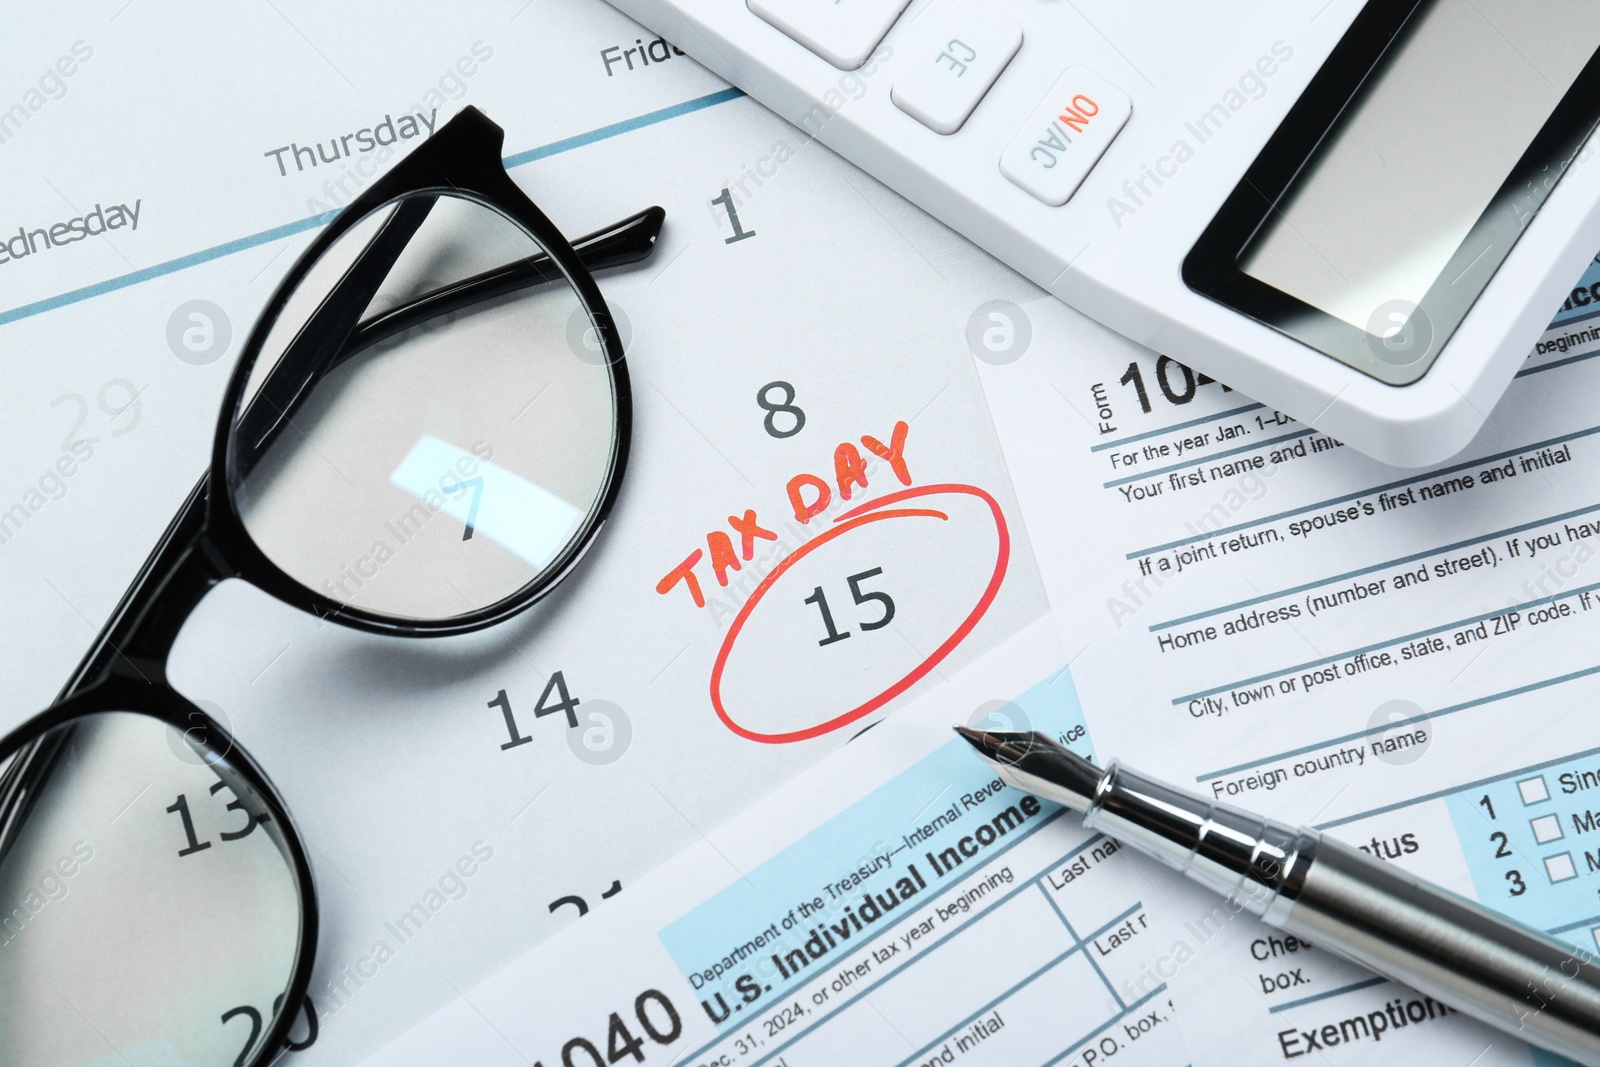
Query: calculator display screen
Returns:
{"type": "Point", "coordinates": [1403, 175]}
{"type": "Point", "coordinates": [1383, 204]}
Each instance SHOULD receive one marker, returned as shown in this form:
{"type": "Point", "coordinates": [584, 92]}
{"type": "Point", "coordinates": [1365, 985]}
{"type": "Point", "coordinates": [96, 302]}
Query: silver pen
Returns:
{"type": "Point", "coordinates": [1508, 975]}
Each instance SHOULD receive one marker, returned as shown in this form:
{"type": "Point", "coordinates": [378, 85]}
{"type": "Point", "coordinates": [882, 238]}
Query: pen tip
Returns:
{"type": "Point", "coordinates": [1037, 763]}
{"type": "Point", "coordinates": [978, 739]}
{"type": "Point", "coordinates": [998, 744]}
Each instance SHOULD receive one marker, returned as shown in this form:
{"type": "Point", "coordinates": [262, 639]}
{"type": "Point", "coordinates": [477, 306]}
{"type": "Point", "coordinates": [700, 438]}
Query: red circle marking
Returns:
{"type": "Point", "coordinates": [871, 511]}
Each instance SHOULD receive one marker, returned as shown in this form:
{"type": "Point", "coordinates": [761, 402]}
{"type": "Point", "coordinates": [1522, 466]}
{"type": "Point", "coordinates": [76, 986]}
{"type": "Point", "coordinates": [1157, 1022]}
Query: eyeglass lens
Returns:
{"type": "Point", "coordinates": [430, 424]}
{"type": "Point", "coordinates": [148, 913]}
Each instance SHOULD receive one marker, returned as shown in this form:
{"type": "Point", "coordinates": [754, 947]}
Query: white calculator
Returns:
{"type": "Point", "coordinates": [1363, 214]}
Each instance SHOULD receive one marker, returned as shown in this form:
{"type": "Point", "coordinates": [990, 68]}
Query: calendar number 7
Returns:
{"type": "Point", "coordinates": [476, 485]}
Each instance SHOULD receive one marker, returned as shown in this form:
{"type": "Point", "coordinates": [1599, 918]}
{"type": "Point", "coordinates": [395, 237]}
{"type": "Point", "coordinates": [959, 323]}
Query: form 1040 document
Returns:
{"type": "Point", "coordinates": [1402, 658]}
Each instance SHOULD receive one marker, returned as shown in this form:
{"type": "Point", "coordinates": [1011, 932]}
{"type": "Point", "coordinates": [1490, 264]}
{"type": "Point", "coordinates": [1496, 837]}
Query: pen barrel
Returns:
{"type": "Point", "coordinates": [1342, 900]}
{"type": "Point", "coordinates": [1508, 975]}
{"type": "Point", "coordinates": [1254, 861]}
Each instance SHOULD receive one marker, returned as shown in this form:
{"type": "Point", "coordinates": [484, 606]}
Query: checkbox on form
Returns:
{"type": "Point", "coordinates": [1560, 868]}
{"type": "Point", "coordinates": [1533, 790]}
{"type": "Point", "coordinates": [1547, 828]}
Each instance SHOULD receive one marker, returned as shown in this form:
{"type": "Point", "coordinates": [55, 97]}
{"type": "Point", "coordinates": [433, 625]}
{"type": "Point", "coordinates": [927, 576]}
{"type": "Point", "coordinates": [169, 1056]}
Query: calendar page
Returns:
{"type": "Point", "coordinates": [816, 524]}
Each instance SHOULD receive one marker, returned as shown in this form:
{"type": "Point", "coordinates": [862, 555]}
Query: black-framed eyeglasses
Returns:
{"type": "Point", "coordinates": [426, 430]}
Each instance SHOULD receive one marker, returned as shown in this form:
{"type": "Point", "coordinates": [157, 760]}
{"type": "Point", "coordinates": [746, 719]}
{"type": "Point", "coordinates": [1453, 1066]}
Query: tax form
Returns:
{"type": "Point", "coordinates": [463, 798]}
{"type": "Point", "coordinates": [1401, 658]}
{"type": "Point", "coordinates": [894, 905]}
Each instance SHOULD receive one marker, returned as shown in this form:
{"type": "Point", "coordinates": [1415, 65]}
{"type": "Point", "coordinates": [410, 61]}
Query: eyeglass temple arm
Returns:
{"type": "Point", "coordinates": [629, 241]}
{"type": "Point", "coordinates": [333, 334]}
{"type": "Point", "coordinates": [310, 354]}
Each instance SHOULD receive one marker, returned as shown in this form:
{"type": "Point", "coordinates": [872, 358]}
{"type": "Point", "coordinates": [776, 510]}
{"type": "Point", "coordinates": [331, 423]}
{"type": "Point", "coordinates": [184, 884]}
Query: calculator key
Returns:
{"type": "Point", "coordinates": [952, 69]}
{"type": "Point", "coordinates": [844, 32]}
{"type": "Point", "coordinates": [1066, 135]}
